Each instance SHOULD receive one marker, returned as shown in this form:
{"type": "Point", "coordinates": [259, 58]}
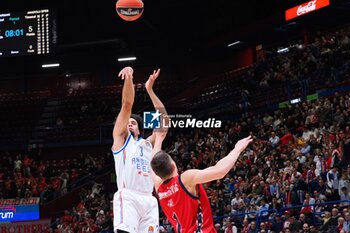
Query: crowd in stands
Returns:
{"type": "Point", "coordinates": [297, 158]}
{"type": "Point", "coordinates": [24, 175]}
{"type": "Point", "coordinates": [303, 69]}
{"type": "Point", "coordinates": [92, 214]}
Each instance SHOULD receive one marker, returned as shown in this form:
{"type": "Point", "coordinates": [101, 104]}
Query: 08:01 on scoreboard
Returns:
{"type": "Point", "coordinates": [12, 33]}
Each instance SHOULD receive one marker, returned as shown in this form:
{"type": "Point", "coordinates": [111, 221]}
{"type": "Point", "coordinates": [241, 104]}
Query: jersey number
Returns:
{"type": "Point", "coordinates": [178, 225]}
{"type": "Point", "coordinates": [141, 151]}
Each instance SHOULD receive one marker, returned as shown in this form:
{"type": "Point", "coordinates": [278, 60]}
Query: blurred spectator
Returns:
{"type": "Point", "coordinates": [218, 228]}
{"type": "Point", "coordinates": [346, 225]}
{"type": "Point", "coordinates": [252, 227]}
{"type": "Point", "coordinates": [344, 196]}
{"type": "Point", "coordinates": [230, 227]}
{"type": "Point", "coordinates": [340, 225]}
{"type": "Point", "coordinates": [274, 139]}
{"type": "Point", "coordinates": [306, 228]}
{"type": "Point", "coordinates": [333, 178]}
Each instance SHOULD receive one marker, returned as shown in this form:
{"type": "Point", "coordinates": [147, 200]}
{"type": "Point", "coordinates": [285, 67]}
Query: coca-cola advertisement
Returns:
{"type": "Point", "coordinates": [305, 8]}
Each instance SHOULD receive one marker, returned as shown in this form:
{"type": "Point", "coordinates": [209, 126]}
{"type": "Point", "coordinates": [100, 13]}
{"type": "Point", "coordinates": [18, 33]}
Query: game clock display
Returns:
{"type": "Point", "coordinates": [12, 33]}
{"type": "Point", "coordinates": [31, 32]}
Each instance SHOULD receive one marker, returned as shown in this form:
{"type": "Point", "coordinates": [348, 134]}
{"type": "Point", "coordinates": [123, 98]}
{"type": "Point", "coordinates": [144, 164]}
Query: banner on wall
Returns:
{"type": "Point", "coordinates": [24, 209]}
{"type": "Point", "coordinates": [41, 226]}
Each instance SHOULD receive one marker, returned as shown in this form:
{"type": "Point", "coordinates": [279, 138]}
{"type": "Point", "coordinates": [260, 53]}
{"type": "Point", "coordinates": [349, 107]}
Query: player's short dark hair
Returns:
{"type": "Point", "coordinates": [161, 164]}
{"type": "Point", "coordinates": [139, 121]}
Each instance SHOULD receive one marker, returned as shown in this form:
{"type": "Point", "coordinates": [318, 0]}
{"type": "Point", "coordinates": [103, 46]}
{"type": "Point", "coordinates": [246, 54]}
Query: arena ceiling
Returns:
{"type": "Point", "coordinates": [90, 34]}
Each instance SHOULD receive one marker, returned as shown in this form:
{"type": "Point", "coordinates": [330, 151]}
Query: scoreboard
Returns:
{"type": "Point", "coordinates": [27, 33]}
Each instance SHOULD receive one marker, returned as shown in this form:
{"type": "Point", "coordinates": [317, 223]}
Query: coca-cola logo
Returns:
{"type": "Point", "coordinates": [310, 6]}
{"type": "Point", "coordinates": [305, 8]}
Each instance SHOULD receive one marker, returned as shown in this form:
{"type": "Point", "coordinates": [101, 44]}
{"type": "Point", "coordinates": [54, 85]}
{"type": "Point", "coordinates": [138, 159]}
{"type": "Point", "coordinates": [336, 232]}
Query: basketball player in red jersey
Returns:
{"type": "Point", "coordinates": [182, 197]}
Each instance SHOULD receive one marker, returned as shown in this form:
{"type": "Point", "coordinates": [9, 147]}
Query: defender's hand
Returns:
{"type": "Point", "coordinates": [243, 143]}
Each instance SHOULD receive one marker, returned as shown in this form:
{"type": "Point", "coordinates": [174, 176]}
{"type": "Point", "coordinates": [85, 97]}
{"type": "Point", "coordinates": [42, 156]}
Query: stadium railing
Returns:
{"type": "Point", "coordinates": [260, 216]}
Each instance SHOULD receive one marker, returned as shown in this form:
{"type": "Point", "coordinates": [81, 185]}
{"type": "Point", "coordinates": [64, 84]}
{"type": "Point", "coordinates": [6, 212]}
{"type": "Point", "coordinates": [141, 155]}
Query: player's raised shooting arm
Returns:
{"type": "Point", "coordinates": [120, 131]}
{"type": "Point", "coordinates": [195, 176]}
{"type": "Point", "coordinates": [157, 104]}
{"type": "Point", "coordinates": [159, 138]}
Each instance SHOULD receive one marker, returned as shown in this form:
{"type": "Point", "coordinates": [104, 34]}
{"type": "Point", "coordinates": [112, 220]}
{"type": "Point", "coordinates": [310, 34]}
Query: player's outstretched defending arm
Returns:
{"type": "Point", "coordinates": [120, 131]}
{"type": "Point", "coordinates": [195, 176]}
{"type": "Point", "coordinates": [157, 104]}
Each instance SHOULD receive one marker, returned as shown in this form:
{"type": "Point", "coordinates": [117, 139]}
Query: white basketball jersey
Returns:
{"type": "Point", "coordinates": [133, 165]}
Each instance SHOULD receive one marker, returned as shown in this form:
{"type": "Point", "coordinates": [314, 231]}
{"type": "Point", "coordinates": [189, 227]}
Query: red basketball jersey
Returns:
{"type": "Point", "coordinates": [186, 212]}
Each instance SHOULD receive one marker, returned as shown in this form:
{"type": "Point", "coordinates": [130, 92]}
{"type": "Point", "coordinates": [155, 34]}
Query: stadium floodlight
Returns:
{"type": "Point", "coordinates": [126, 59]}
{"type": "Point", "coordinates": [50, 65]}
{"type": "Point", "coordinates": [283, 50]}
{"type": "Point", "coordinates": [295, 101]}
{"type": "Point", "coordinates": [234, 43]}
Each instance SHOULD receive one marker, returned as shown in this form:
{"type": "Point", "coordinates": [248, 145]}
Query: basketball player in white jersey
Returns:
{"type": "Point", "coordinates": [135, 209]}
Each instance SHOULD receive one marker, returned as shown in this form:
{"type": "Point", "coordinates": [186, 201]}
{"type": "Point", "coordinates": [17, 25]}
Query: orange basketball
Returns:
{"type": "Point", "coordinates": [129, 10]}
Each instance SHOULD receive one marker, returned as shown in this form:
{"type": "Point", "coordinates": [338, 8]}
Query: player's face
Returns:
{"type": "Point", "coordinates": [133, 127]}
